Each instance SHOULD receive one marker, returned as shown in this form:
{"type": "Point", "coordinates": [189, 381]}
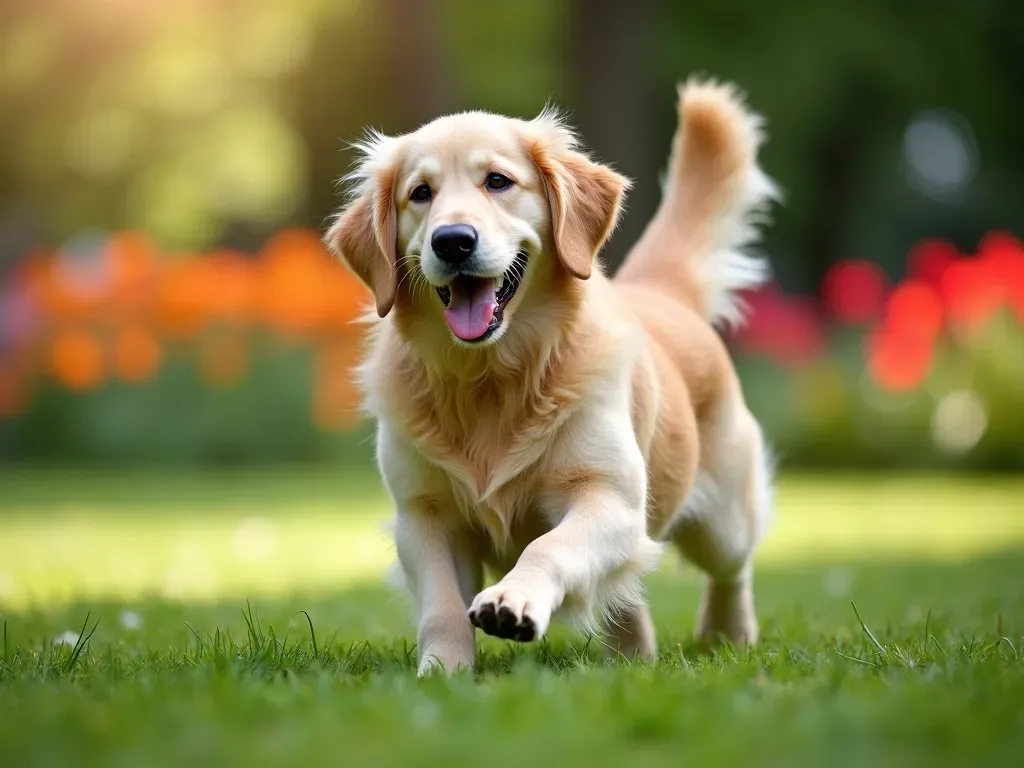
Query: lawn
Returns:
{"type": "Point", "coordinates": [240, 618]}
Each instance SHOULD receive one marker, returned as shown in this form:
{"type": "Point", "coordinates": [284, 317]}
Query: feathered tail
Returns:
{"type": "Point", "coordinates": [715, 198]}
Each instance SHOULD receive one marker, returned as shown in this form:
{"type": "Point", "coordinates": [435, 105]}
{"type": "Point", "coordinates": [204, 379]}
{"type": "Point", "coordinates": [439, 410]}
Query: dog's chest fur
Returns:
{"type": "Point", "coordinates": [494, 446]}
{"type": "Point", "coordinates": [510, 517]}
{"type": "Point", "coordinates": [492, 455]}
{"type": "Point", "coordinates": [487, 446]}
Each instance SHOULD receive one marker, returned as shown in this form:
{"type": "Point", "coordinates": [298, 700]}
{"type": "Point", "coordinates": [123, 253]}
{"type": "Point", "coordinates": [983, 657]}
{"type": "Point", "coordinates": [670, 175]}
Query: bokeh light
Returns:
{"type": "Point", "coordinates": [940, 154]}
{"type": "Point", "coordinates": [959, 422]}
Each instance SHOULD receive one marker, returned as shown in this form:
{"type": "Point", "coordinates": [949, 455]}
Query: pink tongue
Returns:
{"type": "Point", "coordinates": [471, 308]}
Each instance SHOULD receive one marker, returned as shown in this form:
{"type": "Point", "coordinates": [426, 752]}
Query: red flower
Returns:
{"type": "Point", "coordinates": [1002, 257]}
{"type": "Point", "coordinates": [787, 329]}
{"type": "Point", "coordinates": [971, 293]}
{"type": "Point", "coordinates": [915, 308]}
{"type": "Point", "coordinates": [898, 358]}
{"type": "Point", "coordinates": [854, 291]}
{"type": "Point", "coordinates": [930, 258]}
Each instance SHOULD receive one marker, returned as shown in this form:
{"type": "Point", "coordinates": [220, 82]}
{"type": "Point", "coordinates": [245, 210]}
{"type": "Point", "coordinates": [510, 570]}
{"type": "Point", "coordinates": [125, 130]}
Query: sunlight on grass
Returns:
{"type": "Point", "coordinates": [202, 538]}
{"type": "Point", "coordinates": [187, 557]}
{"type": "Point", "coordinates": [187, 537]}
{"type": "Point", "coordinates": [926, 517]}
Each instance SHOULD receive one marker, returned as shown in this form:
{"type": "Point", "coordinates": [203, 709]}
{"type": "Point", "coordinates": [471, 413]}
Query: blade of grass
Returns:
{"type": "Point", "coordinates": [312, 635]}
{"type": "Point", "coordinates": [252, 622]}
{"type": "Point", "coordinates": [282, 650]}
{"type": "Point", "coordinates": [867, 631]}
{"type": "Point", "coordinates": [198, 638]}
{"type": "Point", "coordinates": [865, 662]}
{"type": "Point", "coordinates": [1003, 639]}
{"type": "Point", "coordinates": [408, 655]}
{"type": "Point", "coordinates": [83, 640]}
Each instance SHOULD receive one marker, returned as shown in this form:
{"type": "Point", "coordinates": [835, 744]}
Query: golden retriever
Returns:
{"type": "Point", "coordinates": [537, 418]}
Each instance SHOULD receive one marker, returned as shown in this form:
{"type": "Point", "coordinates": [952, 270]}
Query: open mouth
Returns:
{"type": "Point", "coordinates": [474, 307]}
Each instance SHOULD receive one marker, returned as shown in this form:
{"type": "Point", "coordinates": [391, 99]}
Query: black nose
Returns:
{"type": "Point", "coordinates": [453, 242]}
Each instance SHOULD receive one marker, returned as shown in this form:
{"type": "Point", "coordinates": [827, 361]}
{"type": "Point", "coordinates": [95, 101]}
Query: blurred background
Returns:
{"type": "Point", "coordinates": [179, 436]}
{"type": "Point", "coordinates": [167, 168]}
{"type": "Point", "coordinates": [179, 433]}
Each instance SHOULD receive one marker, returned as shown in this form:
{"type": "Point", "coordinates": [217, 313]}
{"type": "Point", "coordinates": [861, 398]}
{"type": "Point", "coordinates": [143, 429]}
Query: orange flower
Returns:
{"type": "Point", "coordinates": [33, 272]}
{"type": "Point", "coordinates": [132, 258]}
{"type": "Point", "coordinates": [223, 360]}
{"type": "Point", "coordinates": [15, 394]}
{"type": "Point", "coordinates": [187, 288]}
{"type": "Point", "coordinates": [335, 401]}
{"type": "Point", "coordinates": [295, 283]}
{"type": "Point", "coordinates": [76, 359]}
{"type": "Point", "coordinates": [234, 274]}
{"type": "Point", "coordinates": [60, 295]}
{"type": "Point", "coordinates": [137, 354]}
{"type": "Point", "coordinates": [295, 240]}
{"type": "Point", "coordinates": [347, 298]}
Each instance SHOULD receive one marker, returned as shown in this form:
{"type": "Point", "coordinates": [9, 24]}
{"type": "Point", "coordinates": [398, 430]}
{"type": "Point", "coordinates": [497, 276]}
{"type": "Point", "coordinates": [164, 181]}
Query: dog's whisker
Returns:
{"type": "Point", "coordinates": [417, 280]}
{"type": "Point", "coordinates": [404, 277]}
{"type": "Point", "coordinates": [421, 282]}
{"type": "Point", "coordinates": [413, 276]}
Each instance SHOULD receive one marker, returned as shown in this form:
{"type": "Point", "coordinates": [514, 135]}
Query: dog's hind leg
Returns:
{"type": "Point", "coordinates": [631, 632]}
{"type": "Point", "coordinates": [724, 518]}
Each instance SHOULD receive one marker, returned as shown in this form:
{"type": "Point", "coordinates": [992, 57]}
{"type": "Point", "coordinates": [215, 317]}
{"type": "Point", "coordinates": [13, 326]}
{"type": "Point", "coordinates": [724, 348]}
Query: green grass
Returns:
{"type": "Point", "coordinates": [240, 619]}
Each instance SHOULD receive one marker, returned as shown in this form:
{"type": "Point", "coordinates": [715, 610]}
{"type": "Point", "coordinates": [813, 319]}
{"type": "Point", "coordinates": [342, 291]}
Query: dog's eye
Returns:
{"type": "Point", "coordinates": [420, 194]}
{"type": "Point", "coordinates": [498, 181]}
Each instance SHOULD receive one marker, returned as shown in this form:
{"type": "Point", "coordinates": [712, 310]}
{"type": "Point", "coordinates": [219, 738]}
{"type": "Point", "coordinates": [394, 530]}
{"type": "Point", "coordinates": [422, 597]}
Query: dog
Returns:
{"type": "Point", "coordinates": [536, 418]}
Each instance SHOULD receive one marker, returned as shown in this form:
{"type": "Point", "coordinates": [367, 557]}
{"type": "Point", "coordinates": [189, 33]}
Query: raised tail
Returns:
{"type": "Point", "coordinates": [715, 199]}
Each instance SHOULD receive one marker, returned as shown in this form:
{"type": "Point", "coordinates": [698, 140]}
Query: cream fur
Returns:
{"type": "Point", "coordinates": [603, 421]}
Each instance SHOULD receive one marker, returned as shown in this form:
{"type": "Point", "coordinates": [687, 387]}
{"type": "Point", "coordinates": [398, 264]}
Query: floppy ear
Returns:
{"type": "Point", "coordinates": [585, 199]}
{"type": "Point", "coordinates": [364, 236]}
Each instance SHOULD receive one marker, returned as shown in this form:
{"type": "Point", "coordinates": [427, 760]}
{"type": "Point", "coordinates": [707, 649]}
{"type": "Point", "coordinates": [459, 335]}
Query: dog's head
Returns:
{"type": "Point", "coordinates": [457, 219]}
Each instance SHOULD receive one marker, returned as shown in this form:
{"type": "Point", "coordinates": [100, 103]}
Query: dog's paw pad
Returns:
{"type": "Point", "coordinates": [504, 614]}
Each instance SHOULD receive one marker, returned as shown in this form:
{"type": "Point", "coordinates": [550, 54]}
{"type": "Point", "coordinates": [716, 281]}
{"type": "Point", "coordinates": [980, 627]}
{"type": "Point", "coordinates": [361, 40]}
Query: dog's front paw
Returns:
{"type": "Point", "coordinates": [510, 613]}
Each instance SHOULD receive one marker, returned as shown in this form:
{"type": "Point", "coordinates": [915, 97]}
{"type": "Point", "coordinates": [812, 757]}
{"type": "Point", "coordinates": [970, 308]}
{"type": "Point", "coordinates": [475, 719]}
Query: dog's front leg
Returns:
{"type": "Point", "coordinates": [435, 561]}
{"type": "Point", "coordinates": [600, 548]}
